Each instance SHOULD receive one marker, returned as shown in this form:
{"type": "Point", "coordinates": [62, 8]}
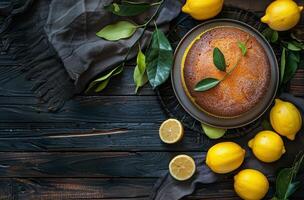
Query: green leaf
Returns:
{"type": "Point", "coordinates": [293, 47]}
{"type": "Point", "coordinates": [283, 180]}
{"type": "Point", "coordinates": [140, 76]}
{"type": "Point", "coordinates": [292, 187]}
{"type": "Point", "coordinates": [117, 31]}
{"type": "Point", "coordinates": [271, 35]}
{"type": "Point", "coordinates": [206, 84]}
{"type": "Point", "coordinates": [103, 81]}
{"type": "Point", "coordinates": [274, 36]}
{"type": "Point", "coordinates": [243, 48]}
{"type": "Point", "coordinates": [219, 59]}
{"type": "Point", "coordinates": [291, 67]}
{"type": "Point", "coordinates": [283, 64]}
{"type": "Point", "coordinates": [286, 183]}
{"type": "Point", "coordinates": [213, 133]}
{"type": "Point", "coordinates": [266, 124]}
{"type": "Point", "coordinates": [102, 85]}
{"type": "Point", "coordinates": [295, 56]}
{"type": "Point", "coordinates": [127, 8]}
{"type": "Point", "coordinates": [159, 59]}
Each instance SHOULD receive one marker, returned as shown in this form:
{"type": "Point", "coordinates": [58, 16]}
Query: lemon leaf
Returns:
{"type": "Point", "coordinates": [159, 58]}
{"type": "Point", "coordinates": [140, 75]}
{"type": "Point", "coordinates": [243, 48]}
{"type": "Point", "coordinates": [127, 8]}
{"type": "Point", "coordinates": [293, 46]}
{"type": "Point", "coordinates": [292, 62]}
{"type": "Point", "coordinates": [117, 31]}
{"type": "Point", "coordinates": [274, 36]}
{"type": "Point", "coordinates": [266, 124]}
{"type": "Point", "coordinates": [212, 132]}
{"type": "Point", "coordinates": [219, 59]}
{"type": "Point", "coordinates": [206, 84]}
{"type": "Point", "coordinates": [286, 183]}
{"type": "Point", "coordinates": [100, 83]}
{"type": "Point", "coordinates": [283, 64]}
{"type": "Point", "coordinates": [271, 35]}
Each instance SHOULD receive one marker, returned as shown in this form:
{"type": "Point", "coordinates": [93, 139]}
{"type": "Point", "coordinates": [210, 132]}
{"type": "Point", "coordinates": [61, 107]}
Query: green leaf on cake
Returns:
{"type": "Point", "coordinates": [206, 84]}
{"type": "Point", "coordinates": [159, 58]}
{"type": "Point", "coordinates": [117, 31]}
{"type": "Point", "coordinates": [219, 59]}
{"type": "Point", "coordinates": [243, 48]}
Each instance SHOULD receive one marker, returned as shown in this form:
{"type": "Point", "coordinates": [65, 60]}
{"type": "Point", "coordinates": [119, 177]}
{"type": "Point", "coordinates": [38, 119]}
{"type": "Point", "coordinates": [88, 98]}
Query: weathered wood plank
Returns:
{"type": "Point", "coordinates": [104, 188]}
{"type": "Point", "coordinates": [98, 164]}
{"type": "Point", "coordinates": [33, 189]}
{"type": "Point", "coordinates": [14, 83]}
{"type": "Point", "coordinates": [92, 137]}
{"type": "Point", "coordinates": [99, 188]}
{"type": "Point", "coordinates": [6, 189]}
{"type": "Point", "coordinates": [84, 109]}
{"type": "Point", "coordinates": [85, 164]}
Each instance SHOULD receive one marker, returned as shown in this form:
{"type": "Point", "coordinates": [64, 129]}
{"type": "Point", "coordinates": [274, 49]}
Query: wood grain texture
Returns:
{"type": "Point", "coordinates": [101, 146]}
{"type": "Point", "coordinates": [108, 188]}
{"type": "Point", "coordinates": [41, 188]}
{"type": "Point", "coordinates": [85, 164]}
{"type": "Point", "coordinates": [92, 137]}
{"type": "Point", "coordinates": [14, 83]}
{"type": "Point", "coordinates": [84, 109]}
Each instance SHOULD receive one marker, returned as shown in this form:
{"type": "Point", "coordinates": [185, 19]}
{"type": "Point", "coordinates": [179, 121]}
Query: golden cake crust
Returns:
{"type": "Point", "coordinates": [243, 88]}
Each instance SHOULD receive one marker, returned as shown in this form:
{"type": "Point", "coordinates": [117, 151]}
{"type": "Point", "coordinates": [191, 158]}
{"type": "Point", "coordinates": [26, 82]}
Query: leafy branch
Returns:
{"type": "Point", "coordinates": [220, 63]}
{"type": "Point", "coordinates": [123, 30]}
{"type": "Point", "coordinates": [290, 57]}
{"type": "Point", "coordinates": [286, 182]}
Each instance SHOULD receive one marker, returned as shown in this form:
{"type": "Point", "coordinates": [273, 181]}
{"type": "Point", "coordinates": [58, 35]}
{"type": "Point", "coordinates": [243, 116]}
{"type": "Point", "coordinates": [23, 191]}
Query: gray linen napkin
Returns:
{"type": "Point", "coordinates": [57, 43]}
{"type": "Point", "coordinates": [71, 28]}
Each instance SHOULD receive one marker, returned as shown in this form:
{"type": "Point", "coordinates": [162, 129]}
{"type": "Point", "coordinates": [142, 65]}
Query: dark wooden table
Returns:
{"type": "Point", "coordinates": [96, 147]}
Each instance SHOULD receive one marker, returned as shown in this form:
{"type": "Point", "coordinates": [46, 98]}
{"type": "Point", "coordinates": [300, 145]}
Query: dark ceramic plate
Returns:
{"type": "Point", "coordinates": [198, 114]}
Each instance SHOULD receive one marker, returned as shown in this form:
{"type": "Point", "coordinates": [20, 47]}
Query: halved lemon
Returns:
{"type": "Point", "coordinates": [171, 131]}
{"type": "Point", "coordinates": [182, 167]}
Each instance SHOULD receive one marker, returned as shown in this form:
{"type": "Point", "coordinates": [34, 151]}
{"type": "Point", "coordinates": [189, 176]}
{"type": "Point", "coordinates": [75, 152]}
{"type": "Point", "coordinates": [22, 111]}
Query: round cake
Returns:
{"type": "Point", "coordinates": [243, 88]}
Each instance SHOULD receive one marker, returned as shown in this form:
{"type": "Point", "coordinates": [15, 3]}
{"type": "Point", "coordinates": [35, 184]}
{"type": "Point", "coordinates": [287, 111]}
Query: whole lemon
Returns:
{"type": "Point", "coordinates": [202, 10]}
{"type": "Point", "coordinates": [285, 119]}
{"type": "Point", "coordinates": [267, 146]}
{"type": "Point", "coordinates": [251, 184]}
{"type": "Point", "coordinates": [282, 15]}
{"type": "Point", "coordinates": [225, 157]}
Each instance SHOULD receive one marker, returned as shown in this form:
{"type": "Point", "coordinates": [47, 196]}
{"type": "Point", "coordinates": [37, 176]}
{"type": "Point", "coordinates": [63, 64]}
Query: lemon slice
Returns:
{"type": "Point", "coordinates": [171, 131]}
{"type": "Point", "coordinates": [182, 167]}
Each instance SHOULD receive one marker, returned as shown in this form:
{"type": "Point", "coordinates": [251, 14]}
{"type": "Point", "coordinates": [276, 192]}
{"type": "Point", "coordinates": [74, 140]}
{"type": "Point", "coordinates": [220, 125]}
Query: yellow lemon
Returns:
{"type": "Point", "coordinates": [182, 167]}
{"type": "Point", "coordinates": [203, 9]}
{"type": "Point", "coordinates": [282, 15]}
{"type": "Point", "coordinates": [267, 146]}
{"type": "Point", "coordinates": [225, 157]}
{"type": "Point", "coordinates": [171, 131]}
{"type": "Point", "coordinates": [251, 184]}
{"type": "Point", "coordinates": [285, 119]}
